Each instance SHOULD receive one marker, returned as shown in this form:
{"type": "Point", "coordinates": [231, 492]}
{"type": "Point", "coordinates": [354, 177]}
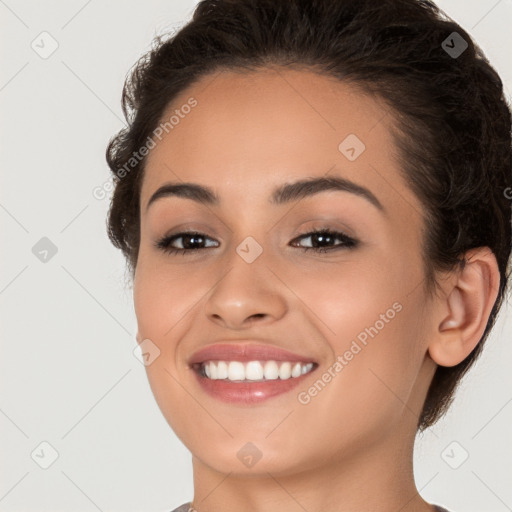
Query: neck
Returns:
{"type": "Point", "coordinates": [378, 477]}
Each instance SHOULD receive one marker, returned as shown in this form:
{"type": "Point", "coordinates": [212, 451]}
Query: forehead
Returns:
{"type": "Point", "coordinates": [250, 131]}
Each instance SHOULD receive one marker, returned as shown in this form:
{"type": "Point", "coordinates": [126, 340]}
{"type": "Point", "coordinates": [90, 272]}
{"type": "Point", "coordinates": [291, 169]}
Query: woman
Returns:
{"type": "Point", "coordinates": [311, 198]}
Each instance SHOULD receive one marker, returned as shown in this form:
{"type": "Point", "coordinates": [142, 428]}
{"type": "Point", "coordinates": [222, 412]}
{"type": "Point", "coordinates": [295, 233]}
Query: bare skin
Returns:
{"type": "Point", "coordinates": [350, 447]}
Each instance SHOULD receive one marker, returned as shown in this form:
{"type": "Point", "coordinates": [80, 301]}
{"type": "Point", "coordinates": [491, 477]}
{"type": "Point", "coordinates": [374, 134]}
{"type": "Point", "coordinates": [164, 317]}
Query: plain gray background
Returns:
{"type": "Point", "coordinates": [69, 377]}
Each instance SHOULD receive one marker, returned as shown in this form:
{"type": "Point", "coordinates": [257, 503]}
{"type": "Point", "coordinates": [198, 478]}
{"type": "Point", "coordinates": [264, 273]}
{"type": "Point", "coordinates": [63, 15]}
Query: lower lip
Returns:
{"type": "Point", "coordinates": [248, 392]}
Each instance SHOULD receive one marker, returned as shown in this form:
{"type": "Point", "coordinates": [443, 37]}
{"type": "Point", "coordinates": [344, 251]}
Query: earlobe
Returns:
{"type": "Point", "coordinates": [465, 308]}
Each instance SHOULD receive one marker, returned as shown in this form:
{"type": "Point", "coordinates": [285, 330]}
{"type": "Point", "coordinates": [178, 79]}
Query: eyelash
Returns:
{"type": "Point", "coordinates": [348, 242]}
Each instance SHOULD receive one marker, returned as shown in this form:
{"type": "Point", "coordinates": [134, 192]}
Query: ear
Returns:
{"type": "Point", "coordinates": [463, 312]}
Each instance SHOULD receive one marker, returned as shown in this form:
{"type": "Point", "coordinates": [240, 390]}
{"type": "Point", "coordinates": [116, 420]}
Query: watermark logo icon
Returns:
{"type": "Point", "coordinates": [249, 454]}
{"type": "Point", "coordinates": [249, 249]}
{"type": "Point", "coordinates": [351, 147]}
{"type": "Point", "coordinates": [44, 455]}
{"type": "Point", "coordinates": [146, 352]}
{"type": "Point", "coordinates": [455, 455]}
{"type": "Point", "coordinates": [454, 45]}
{"type": "Point", "coordinates": [44, 45]}
{"type": "Point", "coordinates": [44, 250]}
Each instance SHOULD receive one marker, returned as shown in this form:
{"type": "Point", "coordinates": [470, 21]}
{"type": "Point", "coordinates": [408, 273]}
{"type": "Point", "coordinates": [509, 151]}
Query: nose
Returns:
{"type": "Point", "coordinates": [248, 293]}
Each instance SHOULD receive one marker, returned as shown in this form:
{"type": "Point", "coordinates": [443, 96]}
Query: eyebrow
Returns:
{"type": "Point", "coordinates": [283, 194]}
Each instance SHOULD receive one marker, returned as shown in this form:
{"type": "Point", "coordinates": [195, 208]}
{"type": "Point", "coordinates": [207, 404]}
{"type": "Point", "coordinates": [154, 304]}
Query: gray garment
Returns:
{"type": "Point", "coordinates": [186, 506]}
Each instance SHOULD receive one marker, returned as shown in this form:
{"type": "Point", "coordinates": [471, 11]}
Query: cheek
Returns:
{"type": "Point", "coordinates": [164, 296]}
{"type": "Point", "coordinates": [162, 302]}
{"type": "Point", "coordinates": [350, 297]}
{"type": "Point", "coordinates": [368, 390]}
{"type": "Point", "coordinates": [371, 315]}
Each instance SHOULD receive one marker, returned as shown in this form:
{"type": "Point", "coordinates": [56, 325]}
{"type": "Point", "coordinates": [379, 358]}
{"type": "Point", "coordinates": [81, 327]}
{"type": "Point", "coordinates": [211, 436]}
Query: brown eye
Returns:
{"type": "Point", "coordinates": [323, 240]}
{"type": "Point", "coordinates": [190, 241]}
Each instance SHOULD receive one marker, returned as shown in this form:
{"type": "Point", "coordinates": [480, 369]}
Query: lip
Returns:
{"type": "Point", "coordinates": [245, 352]}
{"type": "Point", "coordinates": [247, 393]}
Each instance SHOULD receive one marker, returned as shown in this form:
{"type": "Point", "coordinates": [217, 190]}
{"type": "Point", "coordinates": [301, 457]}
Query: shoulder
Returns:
{"type": "Point", "coordinates": [184, 508]}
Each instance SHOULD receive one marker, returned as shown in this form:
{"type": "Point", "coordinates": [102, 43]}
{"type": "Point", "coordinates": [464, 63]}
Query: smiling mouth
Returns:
{"type": "Point", "coordinates": [253, 371]}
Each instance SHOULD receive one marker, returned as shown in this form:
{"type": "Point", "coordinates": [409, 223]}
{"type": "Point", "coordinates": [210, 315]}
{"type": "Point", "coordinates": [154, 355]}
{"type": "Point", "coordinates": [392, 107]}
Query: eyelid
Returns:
{"type": "Point", "coordinates": [336, 225]}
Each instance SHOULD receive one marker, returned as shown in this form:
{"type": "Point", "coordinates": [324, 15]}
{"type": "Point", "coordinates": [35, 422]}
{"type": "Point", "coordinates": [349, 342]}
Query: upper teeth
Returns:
{"type": "Point", "coordinates": [254, 370]}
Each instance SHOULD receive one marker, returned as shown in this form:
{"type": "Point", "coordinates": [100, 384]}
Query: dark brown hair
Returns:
{"type": "Point", "coordinates": [453, 122]}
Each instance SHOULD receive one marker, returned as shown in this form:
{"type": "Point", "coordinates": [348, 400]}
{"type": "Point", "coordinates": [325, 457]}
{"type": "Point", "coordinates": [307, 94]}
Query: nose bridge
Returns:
{"type": "Point", "coordinates": [247, 289]}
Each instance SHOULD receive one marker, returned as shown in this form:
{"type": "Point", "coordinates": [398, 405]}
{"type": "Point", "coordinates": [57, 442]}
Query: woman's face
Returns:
{"type": "Point", "coordinates": [354, 307]}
